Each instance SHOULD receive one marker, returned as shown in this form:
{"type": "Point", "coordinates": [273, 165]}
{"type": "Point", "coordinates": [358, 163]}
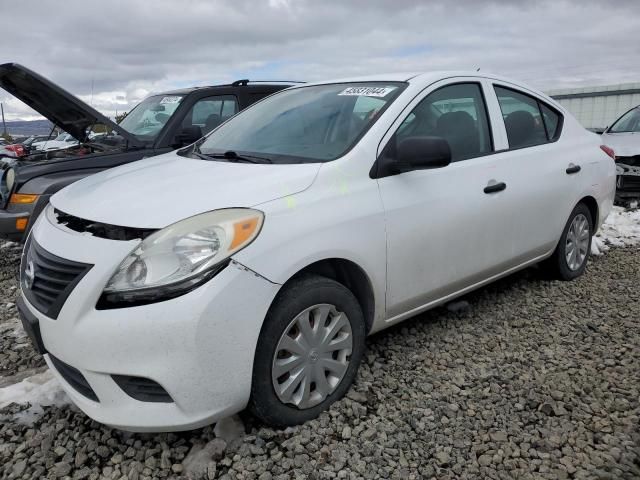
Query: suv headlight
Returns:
{"type": "Point", "coordinates": [10, 178]}
{"type": "Point", "coordinates": [180, 257]}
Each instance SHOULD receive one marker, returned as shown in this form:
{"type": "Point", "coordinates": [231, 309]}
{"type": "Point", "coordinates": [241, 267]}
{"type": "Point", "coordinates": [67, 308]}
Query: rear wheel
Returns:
{"type": "Point", "coordinates": [569, 260]}
{"type": "Point", "coordinates": [308, 352]}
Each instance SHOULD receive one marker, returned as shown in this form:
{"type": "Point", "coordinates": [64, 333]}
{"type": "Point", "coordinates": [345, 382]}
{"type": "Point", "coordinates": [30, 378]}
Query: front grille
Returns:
{"type": "Point", "coordinates": [74, 378]}
{"type": "Point", "coordinates": [47, 280]}
{"type": "Point", "coordinates": [142, 389]}
{"type": "Point", "coordinates": [628, 183]}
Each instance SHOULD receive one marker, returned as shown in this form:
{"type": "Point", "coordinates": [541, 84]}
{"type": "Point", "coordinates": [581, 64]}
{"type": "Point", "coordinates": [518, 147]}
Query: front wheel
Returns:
{"type": "Point", "coordinates": [308, 351]}
{"type": "Point", "coordinates": [569, 260]}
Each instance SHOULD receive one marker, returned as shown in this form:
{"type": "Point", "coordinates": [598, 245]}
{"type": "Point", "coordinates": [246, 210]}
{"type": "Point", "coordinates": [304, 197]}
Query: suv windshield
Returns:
{"type": "Point", "coordinates": [629, 122]}
{"type": "Point", "coordinates": [149, 117]}
{"type": "Point", "coordinates": [313, 124]}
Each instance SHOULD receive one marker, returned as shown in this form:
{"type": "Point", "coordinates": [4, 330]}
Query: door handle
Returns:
{"type": "Point", "coordinates": [496, 187]}
{"type": "Point", "coordinates": [572, 169]}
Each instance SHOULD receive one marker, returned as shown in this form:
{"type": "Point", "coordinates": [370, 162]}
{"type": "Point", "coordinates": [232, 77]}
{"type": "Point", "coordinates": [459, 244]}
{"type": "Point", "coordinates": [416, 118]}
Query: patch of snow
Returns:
{"type": "Point", "coordinates": [39, 390]}
{"type": "Point", "coordinates": [229, 429]}
{"type": "Point", "coordinates": [620, 229]}
{"type": "Point", "coordinates": [201, 460]}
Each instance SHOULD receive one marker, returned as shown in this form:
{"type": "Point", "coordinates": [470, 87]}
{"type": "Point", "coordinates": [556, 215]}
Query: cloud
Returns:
{"type": "Point", "coordinates": [116, 53]}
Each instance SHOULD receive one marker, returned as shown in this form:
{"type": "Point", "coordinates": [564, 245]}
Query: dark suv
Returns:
{"type": "Point", "coordinates": [157, 125]}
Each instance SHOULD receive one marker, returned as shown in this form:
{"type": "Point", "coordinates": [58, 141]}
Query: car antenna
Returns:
{"type": "Point", "coordinates": [53, 128]}
{"type": "Point", "coordinates": [478, 69]}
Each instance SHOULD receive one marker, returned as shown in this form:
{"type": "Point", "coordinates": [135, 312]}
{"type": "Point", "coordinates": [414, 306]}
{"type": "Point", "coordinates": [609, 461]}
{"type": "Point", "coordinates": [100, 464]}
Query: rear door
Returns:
{"type": "Point", "coordinates": [544, 176]}
{"type": "Point", "coordinates": [445, 227]}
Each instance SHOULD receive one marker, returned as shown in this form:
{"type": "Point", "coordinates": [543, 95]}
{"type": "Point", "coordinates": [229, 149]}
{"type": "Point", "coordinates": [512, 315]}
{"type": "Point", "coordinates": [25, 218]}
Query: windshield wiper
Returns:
{"type": "Point", "coordinates": [232, 156]}
{"type": "Point", "coordinates": [229, 156]}
{"type": "Point", "coordinates": [201, 156]}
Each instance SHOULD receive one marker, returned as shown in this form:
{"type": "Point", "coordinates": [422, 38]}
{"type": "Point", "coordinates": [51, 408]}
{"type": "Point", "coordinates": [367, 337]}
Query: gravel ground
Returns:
{"type": "Point", "coordinates": [527, 378]}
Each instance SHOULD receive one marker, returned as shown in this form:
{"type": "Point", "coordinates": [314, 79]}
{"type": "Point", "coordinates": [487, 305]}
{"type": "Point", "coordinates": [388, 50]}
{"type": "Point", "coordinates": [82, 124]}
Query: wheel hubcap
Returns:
{"type": "Point", "coordinates": [577, 244]}
{"type": "Point", "coordinates": [312, 356]}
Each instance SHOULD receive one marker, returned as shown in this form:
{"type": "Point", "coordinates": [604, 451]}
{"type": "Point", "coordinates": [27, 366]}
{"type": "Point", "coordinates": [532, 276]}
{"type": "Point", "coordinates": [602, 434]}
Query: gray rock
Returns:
{"type": "Point", "coordinates": [62, 469]}
{"type": "Point", "coordinates": [442, 458]}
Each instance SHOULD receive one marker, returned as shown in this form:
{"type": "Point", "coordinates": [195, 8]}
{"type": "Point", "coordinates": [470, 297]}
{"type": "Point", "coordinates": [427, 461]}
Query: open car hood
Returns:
{"type": "Point", "coordinates": [56, 104]}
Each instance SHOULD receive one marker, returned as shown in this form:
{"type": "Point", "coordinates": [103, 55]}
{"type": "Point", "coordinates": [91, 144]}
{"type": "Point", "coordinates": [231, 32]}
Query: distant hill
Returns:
{"type": "Point", "coordinates": [28, 127]}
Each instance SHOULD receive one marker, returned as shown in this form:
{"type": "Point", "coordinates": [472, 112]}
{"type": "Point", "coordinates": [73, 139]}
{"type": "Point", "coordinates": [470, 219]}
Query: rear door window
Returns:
{"type": "Point", "coordinates": [528, 121]}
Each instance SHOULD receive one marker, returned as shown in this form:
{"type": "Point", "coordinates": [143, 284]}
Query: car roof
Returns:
{"type": "Point", "coordinates": [416, 77]}
{"type": "Point", "coordinates": [240, 84]}
{"type": "Point", "coordinates": [426, 78]}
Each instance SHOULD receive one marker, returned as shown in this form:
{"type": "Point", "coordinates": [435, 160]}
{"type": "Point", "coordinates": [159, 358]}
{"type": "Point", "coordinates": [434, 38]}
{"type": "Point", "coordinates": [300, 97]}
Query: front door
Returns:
{"type": "Point", "coordinates": [446, 226]}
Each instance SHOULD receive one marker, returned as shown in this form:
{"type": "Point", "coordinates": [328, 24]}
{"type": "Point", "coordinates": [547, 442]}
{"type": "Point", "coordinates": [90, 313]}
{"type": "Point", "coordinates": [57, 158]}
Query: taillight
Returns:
{"type": "Point", "coordinates": [608, 150]}
{"type": "Point", "coordinates": [17, 149]}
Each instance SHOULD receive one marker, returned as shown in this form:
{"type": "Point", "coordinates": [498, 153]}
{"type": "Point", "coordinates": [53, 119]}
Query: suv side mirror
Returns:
{"type": "Point", "coordinates": [188, 135]}
{"type": "Point", "coordinates": [421, 153]}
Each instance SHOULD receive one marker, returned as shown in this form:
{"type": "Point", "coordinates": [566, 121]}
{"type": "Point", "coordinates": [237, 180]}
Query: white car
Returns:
{"type": "Point", "coordinates": [623, 136]}
{"type": "Point", "coordinates": [62, 141]}
{"type": "Point", "coordinates": [247, 269]}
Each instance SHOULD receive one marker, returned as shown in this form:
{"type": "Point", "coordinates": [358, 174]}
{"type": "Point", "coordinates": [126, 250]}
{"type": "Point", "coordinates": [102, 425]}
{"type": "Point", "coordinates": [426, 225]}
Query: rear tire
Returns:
{"type": "Point", "coordinates": [308, 352]}
{"type": "Point", "coordinates": [569, 260]}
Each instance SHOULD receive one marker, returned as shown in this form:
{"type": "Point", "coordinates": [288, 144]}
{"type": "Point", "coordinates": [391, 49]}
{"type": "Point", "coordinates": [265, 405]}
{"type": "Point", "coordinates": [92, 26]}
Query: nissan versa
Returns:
{"type": "Point", "coordinates": [247, 269]}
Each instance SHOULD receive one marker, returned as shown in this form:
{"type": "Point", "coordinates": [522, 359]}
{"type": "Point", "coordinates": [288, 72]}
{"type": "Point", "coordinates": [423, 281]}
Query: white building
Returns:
{"type": "Point", "coordinates": [598, 107]}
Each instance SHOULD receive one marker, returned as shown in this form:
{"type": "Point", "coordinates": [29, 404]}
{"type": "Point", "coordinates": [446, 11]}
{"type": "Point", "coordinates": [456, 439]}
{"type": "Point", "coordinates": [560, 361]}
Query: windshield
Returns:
{"type": "Point", "coordinates": [629, 122]}
{"type": "Point", "coordinates": [149, 117]}
{"type": "Point", "coordinates": [63, 137]}
{"type": "Point", "coordinates": [313, 124]}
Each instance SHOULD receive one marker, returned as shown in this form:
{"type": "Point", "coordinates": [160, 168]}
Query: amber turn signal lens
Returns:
{"type": "Point", "coordinates": [23, 198]}
{"type": "Point", "coordinates": [242, 231]}
{"type": "Point", "coordinates": [21, 224]}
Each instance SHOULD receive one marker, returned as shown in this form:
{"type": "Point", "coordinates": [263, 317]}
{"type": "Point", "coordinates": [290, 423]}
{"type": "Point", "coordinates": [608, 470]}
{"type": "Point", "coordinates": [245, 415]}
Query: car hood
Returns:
{"type": "Point", "coordinates": [55, 104]}
{"type": "Point", "coordinates": [623, 144]}
{"type": "Point", "coordinates": [159, 191]}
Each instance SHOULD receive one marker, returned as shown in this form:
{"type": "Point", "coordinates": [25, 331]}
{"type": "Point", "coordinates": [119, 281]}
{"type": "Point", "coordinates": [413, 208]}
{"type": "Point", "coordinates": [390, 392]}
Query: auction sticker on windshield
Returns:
{"type": "Point", "coordinates": [368, 91]}
{"type": "Point", "coordinates": [173, 99]}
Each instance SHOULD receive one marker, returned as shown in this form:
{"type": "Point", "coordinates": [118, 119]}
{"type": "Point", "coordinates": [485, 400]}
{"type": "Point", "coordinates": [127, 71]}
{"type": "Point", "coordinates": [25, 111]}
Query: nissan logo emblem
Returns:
{"type": "Point", "coordinates": [29, 274]}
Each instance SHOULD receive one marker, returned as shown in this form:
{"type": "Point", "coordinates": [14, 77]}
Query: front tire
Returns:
{"type": "Point", "coordinates": [308, 352]}
{"type": "Point", "coordinates": [569, 260]}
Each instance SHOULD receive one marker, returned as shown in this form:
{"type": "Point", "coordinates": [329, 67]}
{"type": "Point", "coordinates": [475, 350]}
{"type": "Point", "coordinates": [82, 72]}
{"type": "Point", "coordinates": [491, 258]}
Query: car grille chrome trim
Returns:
{"type": "Point", "coordinates": [47, 280]}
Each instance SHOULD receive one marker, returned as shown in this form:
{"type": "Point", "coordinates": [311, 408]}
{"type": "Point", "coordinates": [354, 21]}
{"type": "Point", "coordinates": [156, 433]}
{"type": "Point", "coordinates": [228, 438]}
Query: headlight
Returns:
{"type": "Point", "coordinates": [181, 257]}
{"type": "Point", "coordinates": [10, 179]}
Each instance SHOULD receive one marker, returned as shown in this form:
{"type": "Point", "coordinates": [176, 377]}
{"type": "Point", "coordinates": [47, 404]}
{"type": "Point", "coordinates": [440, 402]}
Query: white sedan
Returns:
{"type": "Point", "coordinates": [62, 141]}
{"type": "Point", "coordinates": [624, 138]}
{"type": "Point", "coordinates": [247, 269]}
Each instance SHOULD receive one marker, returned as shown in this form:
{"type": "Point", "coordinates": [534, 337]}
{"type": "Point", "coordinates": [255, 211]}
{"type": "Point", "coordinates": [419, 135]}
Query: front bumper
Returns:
{"type": "Point", "coordinates": [8, 230]}
{"type": "Point", "coordinates": [199, 347]}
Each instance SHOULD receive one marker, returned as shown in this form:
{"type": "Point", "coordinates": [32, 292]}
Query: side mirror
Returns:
{"type": "Point", "coordinates": [187, 136]}
{"type": "Point", "coordinates": [421, 153]}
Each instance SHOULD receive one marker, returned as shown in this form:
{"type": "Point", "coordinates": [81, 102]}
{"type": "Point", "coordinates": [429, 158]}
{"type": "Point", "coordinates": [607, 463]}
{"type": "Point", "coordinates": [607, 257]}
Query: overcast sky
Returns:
{"type": "Point", "coordinates": [127, 49]}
